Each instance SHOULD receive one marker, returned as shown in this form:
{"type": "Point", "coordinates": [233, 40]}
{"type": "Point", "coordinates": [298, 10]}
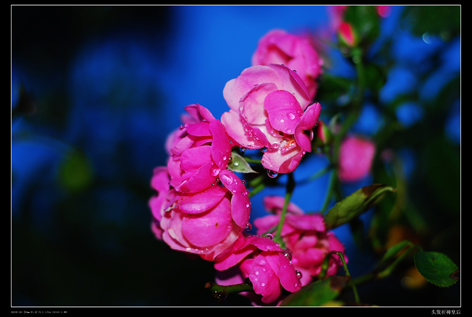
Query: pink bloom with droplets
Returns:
{"type": "Point", "coordinates": [294, 51]}
{"type": "Point", "coordinates": [262, 261]}
{"type": "Point", "coordinates": [305, 236]}
{"type": "Point", "coordinates": [201, 206]}
{"type": "Point", "coordinates": [270, 110]}
{"type": "Point", "coordinates": [355, 158]}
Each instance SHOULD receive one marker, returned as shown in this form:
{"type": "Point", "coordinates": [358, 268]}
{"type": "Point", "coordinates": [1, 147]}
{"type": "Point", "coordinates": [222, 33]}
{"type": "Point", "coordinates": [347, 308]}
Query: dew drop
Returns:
{"type": "Point", "coordinates": [227, 179]}
{"type": "Point", "coordinates": [269, 236]}
{"type": "Point", "coordinates": [236, 163]}
{"type": "Point", "coordinates": [272, 174]}
{"type": "Point", "coordinates": [291, 116]}
{"type": "Point", "coordinates": [248, 226]}
{"type": "Point", "coordinates": [247, 205]}
{"type": "Point", "coordinates": [214, 171]}
{"type": "Point", "coordinates": [288, 255]}
{"type": "Point", "coordinates": [262, 284]}
{"type": "Point", "coordinates": [242, 149]}
{"type": "Point", "coordinates": [181, 127]}
{"type": "Point", "coordinates": [274, 146]}
{"type": "Point", "coordinates": [264, 149]}
{"type": "Point", "coordinates": [299, 274]}
{"type": "Point", "coordinates": [224, 158]}
{"type": "Point", "coordinates": [244, 182]}
{"type": "Point", "coordinates": [282, 120]}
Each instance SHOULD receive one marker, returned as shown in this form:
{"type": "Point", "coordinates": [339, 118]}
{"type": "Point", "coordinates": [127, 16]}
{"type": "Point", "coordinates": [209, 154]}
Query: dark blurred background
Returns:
{"type": "Point", "coordinates": [95, 90]}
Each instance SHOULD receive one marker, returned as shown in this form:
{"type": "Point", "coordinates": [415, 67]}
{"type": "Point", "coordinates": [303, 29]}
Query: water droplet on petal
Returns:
{"type": "Point", "coordinates": [264, 149]}
{"type": "Point", "coordinates": [272, 174]}
{"type": "Point", "coordinates": [214, 170]}
{"type": "Point", "coordinates": [299, 274]}
{"type": "Point", "coordinates": [248, 226]}
{"type": "Point", "coordinates": [274, 146]}
{"type": "Point", "coordinates": [269, 236]}
{"type": "Point", "coordinates": [244, 182]}
{"type": "Point", "coordinates": [181, 127]}
{"type": "Point", "coordinates": [227, 179]}
{"type": "Point", "coordinates": [291, 116]}
{"type": "Point", "coordinates": [282, 120]}
{"type": "Point", "coordinates": [288, 255]}
{"type": "Point", "coordinates": [247, 205]}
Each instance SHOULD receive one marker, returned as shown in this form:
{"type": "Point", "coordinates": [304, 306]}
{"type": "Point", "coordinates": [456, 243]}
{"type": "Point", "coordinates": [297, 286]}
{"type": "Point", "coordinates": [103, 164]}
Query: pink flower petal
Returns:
{"type": "Point", "coordinates": [233, 123]}
{"type": "Point", "coordinates": [240, 203]}
{"type": "Point", "coordinates": [275, 204]}
{"type": "Point", "coordinates": [249, 77]}
{"type": "Point", "coordinates": [280, 162]}
{"type": "Point", "coordinates": [195, 157]}
{"type": "Point", "coordinates": [220, 147]}
{"type": "Point", "coordinates": [306, 222]}
{"type": "Point", "coordinates": [252, 103]}
{"type": "Point", "coordinates": [199, 129]}
{"type": "Point", "coordinates": [292, 83]}
{"type": "Point", "coordinates": [288, 275]}
{"type": "Point", "coordinates": [197, 180]}
{"type": "Point", "coordinates": [307, 123]}
{"type": "Point", "coordinates": [284, 111]}
{"type": "Point", "coordinates": [202, 201]}
{"type": "Point", "coordinates": [210, 228]}
{"type": "Point", "coordinates": [264, 280]}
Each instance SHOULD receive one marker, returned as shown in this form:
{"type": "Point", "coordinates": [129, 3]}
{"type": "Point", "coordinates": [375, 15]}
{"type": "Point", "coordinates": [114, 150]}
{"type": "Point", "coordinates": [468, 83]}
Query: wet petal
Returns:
{"type": "Point", "coordinates": [202, 201]}
{"type": "Point", "coordinates": [284, 111]}
{"type": "Point", "coordinates": [197, 180]}
{"type": "Point", "coordinates": [307, 122]}
{"type": "Point", "coordinates": [240, 203]}
{"type": "Point", "coordinates": [210, 228]}
{"type": "Point", "coordinates": [236, 88]}
{"type": "Point", "coordinates": [306, 222]}
{"type": "Point", "coordinates": [288, 275]}
{"type": "Point", "coordinates": [199, 129]}
{"type": "Point", "coordinates": [195, 157]}
{"type": "Point", "coordinates": [252, 104]}
{"type": "Point", "coordinates": [264, 280]}
{"type": "Point", "coordinates": [233, 123]}
{"type": "Point", "coordinates": [220, 147]}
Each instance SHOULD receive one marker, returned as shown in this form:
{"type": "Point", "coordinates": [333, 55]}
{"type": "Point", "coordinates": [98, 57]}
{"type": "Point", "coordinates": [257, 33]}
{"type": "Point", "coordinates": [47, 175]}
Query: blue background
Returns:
{"type": "Point", "coordinates": [110, 84]}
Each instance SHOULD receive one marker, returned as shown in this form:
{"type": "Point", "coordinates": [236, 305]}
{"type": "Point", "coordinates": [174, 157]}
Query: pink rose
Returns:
{"type": "Point", "coordinates": [305, 236]}
{"type": "Point", "coordinates": [270, 110]}
{"type": "Point", "coordinates": [355, 158]}
{"type": "Point", "coordinates": [262, 261]}
{"type": "Point", "coordinates": [295, 52]}
{"type": "Point", "coordinates": [201, 206]}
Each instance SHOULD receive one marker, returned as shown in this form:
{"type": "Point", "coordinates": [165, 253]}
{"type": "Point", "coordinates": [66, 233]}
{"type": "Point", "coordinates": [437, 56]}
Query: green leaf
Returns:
{"type": "Point", "coordinates": [317, 293]}
{"type": "Point", "coordinates": [436, 268]}
{"type": "Point", "coordinates": [239, 164]}
{"type": "Point", "coordinates": [394, 250]}
{"type": "Point", "coordinates": [355, 204]}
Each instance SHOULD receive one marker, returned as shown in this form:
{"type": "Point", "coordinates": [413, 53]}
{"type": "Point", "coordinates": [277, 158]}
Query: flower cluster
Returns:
{"type": "Point", "coordinates": [203, 207]}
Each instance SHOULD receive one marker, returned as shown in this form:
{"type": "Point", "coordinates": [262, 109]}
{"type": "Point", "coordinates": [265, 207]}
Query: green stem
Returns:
{"type": "Point", "coordinates": [324, 269]}
{"type": "Point", "coordinates": [289, 191]}
{"type": "Point", "coordinates": [256, 190]}
{"type": "Point", "coordinates": [320, 173]}
{"type": "Point", "coordinates": [220, 292]}
{"type": "Point", "coordinates": [250, 160]}
{"type": "Point", "coordinates": [329, 192]}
